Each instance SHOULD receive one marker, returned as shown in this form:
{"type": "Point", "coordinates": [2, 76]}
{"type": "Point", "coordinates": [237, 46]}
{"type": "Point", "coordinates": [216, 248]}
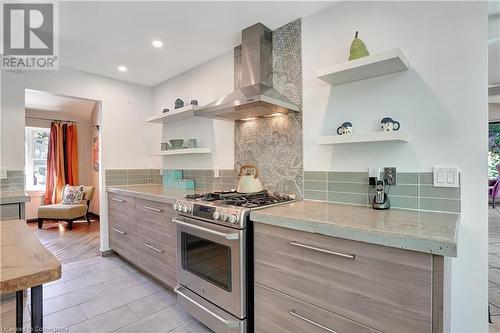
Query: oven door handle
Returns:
{"type": "Point", "coordinates": [209, 231]}
{"type": "Point", "coordinates": [226, 323]}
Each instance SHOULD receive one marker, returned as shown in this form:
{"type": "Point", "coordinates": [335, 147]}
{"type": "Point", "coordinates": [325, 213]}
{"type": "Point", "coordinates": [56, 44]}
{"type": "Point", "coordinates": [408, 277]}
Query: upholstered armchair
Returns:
{"type": "Point", "coordinates": [68, 213]}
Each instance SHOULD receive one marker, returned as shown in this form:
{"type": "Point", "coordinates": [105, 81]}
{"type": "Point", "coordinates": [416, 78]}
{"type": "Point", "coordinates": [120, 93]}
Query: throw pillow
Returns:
{"type": "Point", "coordinates": [72, 195]}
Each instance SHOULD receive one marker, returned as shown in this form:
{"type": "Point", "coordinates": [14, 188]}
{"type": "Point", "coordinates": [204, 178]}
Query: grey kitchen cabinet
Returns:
{"type": "Point", "coordinates": [122, 226]}
{"type": "Point", "coordinates": [310, 280]}
{"type": "Point", "coordinates": [157, 242]}
{"type": "Point", "coordinates": [142, 232]}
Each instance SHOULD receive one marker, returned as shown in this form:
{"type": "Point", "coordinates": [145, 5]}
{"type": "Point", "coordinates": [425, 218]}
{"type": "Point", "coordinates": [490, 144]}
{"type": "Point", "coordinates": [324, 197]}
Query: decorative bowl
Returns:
{"type": "Point", "coordinates": [176, 143]}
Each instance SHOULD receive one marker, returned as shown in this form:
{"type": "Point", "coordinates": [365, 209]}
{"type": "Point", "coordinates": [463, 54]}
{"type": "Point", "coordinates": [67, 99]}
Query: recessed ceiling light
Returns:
{"type": "Point", "coordinates": [157, 43]}
{"type": "Point", "coordinates": [122, 68]}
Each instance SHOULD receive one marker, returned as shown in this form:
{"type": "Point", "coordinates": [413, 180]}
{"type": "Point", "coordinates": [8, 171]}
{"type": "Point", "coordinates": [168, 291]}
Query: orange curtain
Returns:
{"type": "Point", "coordinates": [51, 165]}
{"type": "Point", "coordinates": [62, 161]}
{"type": "Point", "coordinates": [71, 155]}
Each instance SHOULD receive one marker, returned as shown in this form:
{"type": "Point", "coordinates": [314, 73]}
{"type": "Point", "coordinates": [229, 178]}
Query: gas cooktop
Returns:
{"type": "Point", "coordinates": [229, 207]}
{"type": "Point", "coordinates": [245, 200]}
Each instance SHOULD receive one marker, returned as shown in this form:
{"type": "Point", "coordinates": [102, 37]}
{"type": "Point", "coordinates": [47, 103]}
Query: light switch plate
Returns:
{"type": "Point", "coordinates": [3, 173]}
{"type": "Point", "coordinates": [445, 176]}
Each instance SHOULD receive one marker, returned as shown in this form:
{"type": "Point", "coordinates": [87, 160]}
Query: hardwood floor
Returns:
{"type": "Point", "coordinates": [69, 245]}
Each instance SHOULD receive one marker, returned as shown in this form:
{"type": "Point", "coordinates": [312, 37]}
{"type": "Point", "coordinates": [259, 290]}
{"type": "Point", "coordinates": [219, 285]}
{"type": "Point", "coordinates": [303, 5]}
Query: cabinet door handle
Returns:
{"type": "Point", "coordinates": [119, 231]}
{"type": "Point", "coordinates": [153, 248]}
{"type": "Point", "coordinates": [338, 254]}
{"type": "Point", "coordinates": [153, 209]}
{"type": "Point", "coordinates": [296, 315]}
{"type": "Point", "coordinates": [119, 200]}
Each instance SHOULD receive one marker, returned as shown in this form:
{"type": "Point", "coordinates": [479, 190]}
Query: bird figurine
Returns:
{"type": "Point", "coordinates": [358, 48]}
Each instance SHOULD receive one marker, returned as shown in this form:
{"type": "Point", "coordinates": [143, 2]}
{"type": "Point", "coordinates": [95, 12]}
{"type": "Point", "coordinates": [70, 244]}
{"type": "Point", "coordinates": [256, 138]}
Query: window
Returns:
{"type": "Point", "coordinates": [37, 144]}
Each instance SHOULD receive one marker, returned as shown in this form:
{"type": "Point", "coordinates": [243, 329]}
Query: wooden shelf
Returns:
{"type": "Point", "coordinates": [173, 115]}
{"type": "Point", "coordinates": [395, 136]}
{"type": "Point", "coordinates": [184, 151]}
{"type": "Point", "coordinates": [378, 64]}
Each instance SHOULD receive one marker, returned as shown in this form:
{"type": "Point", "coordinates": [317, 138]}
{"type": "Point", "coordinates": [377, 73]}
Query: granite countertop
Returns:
{"type": "Point", "coordinates": [151, 192]}
{"type": "Point", "coordinates": [14, 197]}
{"type": "Point", "coordinates": [428, 232]}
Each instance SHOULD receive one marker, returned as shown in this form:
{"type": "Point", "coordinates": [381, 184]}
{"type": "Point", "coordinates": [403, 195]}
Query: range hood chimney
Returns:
{"type": "Point", "coordinates": [257, 97]}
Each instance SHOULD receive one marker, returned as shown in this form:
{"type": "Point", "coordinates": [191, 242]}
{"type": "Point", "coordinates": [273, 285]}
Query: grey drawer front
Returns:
{"type": "Point", "coordinates": [121, 203]}
{"type": "Point", "coordinates": [9, 212]}
{"type": "Point", "coordinates": [276, 312]}
{"type": "Point", "coordinates": [382, 287]}
{"type": "Point", "coordinates": [158, 259]}
{"type": "Point", "coordinates": [123, 239]}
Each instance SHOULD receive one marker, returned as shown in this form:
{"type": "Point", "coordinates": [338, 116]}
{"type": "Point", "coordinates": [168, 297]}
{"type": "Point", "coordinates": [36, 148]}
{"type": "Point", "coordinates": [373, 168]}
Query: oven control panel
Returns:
{"type": "Point", "coordinates": [214, 213]}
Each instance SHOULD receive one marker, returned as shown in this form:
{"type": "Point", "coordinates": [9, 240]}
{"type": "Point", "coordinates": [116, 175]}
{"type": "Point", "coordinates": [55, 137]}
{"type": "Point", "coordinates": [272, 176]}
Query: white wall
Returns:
{"type": "Point", "coordinates": [204, 83]}
{"type": "Point", "coordinates": [441, 101]}
{"type": "Point", "coordinates": [124, 106]}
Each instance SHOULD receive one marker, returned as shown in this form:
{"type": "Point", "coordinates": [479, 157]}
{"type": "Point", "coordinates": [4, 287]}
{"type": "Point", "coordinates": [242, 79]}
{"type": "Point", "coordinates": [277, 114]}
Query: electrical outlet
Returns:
{"type": "Point", "coordinates": [373, 176]}
{"type": "Point", "coordinates": [390, 176]}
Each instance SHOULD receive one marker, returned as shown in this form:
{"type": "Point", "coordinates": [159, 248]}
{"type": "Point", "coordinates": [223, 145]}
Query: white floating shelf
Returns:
{"type": "Point", "coordinates": [173, 115]}
{"type": "Point", "coordinates": [378, 64]}
{"type": "Point", "coordinates": [395, 136]}
{"type": "Point", "coordinates": [184, 151]}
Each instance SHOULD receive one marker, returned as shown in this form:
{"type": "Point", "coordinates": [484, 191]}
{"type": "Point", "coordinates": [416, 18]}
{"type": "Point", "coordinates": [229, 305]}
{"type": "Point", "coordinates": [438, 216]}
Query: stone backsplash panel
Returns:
{"type": "Point", "coordinates": [274, 144]}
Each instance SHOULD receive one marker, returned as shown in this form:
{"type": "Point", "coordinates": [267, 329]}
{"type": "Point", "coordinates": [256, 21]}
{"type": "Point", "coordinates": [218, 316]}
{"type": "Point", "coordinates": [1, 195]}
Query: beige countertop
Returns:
{"type": "Point", "coordinates": [14, 197]}
{"type": "Point", "coordinates": [152, 192]}
{"type": "Point", "coordinates": [429, 232]}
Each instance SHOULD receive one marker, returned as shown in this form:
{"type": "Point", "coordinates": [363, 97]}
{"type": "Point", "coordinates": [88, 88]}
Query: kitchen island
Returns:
{"type": "Point", "coordinates": [341, 267]}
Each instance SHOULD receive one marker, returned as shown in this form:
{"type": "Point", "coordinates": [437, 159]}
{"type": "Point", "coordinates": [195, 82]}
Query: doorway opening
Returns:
{"type": "Point", "coordinates": [62, 173]}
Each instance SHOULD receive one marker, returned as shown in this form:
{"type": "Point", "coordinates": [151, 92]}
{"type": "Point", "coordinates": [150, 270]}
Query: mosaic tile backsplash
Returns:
{"type": "Point", "coordinates": [413, 191]}
{"type": "Point", "coordinates": [274, 144]}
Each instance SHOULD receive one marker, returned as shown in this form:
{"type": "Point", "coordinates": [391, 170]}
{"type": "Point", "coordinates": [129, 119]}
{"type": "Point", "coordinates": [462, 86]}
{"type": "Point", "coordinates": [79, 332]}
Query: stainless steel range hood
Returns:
{"type": "Point", "coordinates": [257, 97]}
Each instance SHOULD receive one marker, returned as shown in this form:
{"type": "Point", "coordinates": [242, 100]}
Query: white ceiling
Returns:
{"type": "Point", "coordinates": [77, 107]}
{"type": "Point", "coordinates": [97, 37]}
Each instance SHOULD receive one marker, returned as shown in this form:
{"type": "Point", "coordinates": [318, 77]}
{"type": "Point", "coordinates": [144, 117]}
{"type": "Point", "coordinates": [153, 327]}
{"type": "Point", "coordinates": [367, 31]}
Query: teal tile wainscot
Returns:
{"type": "Point", "coordinates": [413, 191]}
{"type": "Point", "coordinates": [203, 179]}
{"type": "Point", "coordinates": [14, 181]}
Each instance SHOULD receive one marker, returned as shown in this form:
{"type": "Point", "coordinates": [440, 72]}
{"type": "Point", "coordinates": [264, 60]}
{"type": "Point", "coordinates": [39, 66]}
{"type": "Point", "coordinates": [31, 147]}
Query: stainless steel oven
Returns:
{"type": "Point", "coordinates": [211, 264]}
{"type": "Point", "coordinates": [215, 257]}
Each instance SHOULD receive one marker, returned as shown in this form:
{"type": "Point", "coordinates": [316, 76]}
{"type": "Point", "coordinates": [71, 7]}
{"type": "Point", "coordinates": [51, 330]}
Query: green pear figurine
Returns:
{"type": "Point", "coordinates": [358, 48]}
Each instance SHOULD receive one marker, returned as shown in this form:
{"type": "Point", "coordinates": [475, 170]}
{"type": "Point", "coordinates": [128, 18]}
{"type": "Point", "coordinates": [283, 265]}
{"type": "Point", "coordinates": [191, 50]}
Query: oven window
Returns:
{"type": "Point", "coordinates": [208, 260]}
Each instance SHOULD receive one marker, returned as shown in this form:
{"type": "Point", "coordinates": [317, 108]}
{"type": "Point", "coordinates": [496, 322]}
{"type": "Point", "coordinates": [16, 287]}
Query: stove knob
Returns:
{"type": "Point", "coordinates": [179, 207]}
{"type": "Point", "coordinates": [233, 218]}
{"type": "Point", "coordinates": [175, 206]}
{"type": "Point", "coordinates": [225, 216]}
{"type": "Point", "coordinates": [217, 215]}
{"type": "Point", "coordinates": [186, 209]}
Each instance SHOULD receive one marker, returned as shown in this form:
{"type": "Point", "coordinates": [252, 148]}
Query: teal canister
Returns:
{"type": "Point", "coordinates": [170, 178]}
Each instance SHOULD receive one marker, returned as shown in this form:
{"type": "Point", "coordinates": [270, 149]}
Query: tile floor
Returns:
{"type": "Point", "coordinates": [105, 294]}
